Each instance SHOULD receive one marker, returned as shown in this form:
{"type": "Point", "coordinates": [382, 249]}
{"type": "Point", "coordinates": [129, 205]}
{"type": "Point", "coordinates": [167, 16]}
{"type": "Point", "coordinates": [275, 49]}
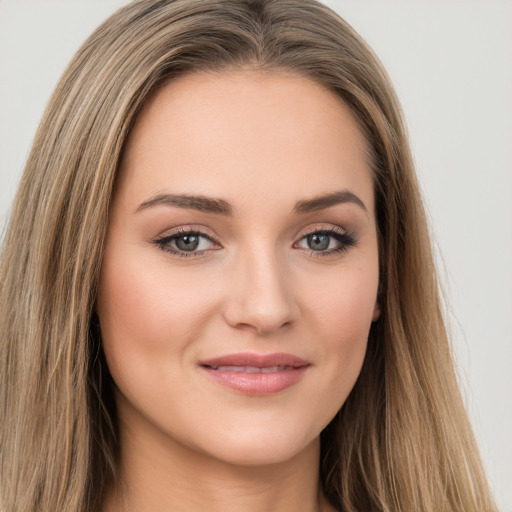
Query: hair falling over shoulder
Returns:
{"type": "Point", "coordinates": [401, 442]}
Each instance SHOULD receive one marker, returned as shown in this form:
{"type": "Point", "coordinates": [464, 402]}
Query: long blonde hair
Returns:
{"type": "Point", "coordinates": [401, 442]}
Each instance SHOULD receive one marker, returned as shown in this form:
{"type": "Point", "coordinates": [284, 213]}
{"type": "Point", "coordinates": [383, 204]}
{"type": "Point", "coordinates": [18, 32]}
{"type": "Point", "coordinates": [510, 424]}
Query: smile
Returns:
{"type": "Point", "coordinates": [254, 374]}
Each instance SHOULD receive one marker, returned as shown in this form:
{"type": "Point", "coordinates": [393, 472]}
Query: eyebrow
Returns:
{"type": "Point", "coordinates": [327, 201]}
{"type": "Point", "coordinates": [222, 207]}
{"type": "Point", "coordinates": [189, 202]}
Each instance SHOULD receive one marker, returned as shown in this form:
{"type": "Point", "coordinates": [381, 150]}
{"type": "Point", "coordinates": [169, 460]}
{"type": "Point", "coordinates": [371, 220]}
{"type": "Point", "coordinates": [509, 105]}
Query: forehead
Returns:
{"type": "Point", "coordinates": [266, 133]}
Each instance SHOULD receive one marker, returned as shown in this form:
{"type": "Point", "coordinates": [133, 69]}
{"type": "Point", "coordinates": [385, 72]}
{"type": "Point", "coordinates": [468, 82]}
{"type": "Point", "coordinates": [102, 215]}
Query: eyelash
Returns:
{"type": "Point", "coordinates": [346, 240]}
{"type": "Point", "coordinates": [164, 242]}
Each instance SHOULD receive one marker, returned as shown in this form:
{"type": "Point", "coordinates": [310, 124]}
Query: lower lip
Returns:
{"type": "Point", "coordinates": [257, 384]}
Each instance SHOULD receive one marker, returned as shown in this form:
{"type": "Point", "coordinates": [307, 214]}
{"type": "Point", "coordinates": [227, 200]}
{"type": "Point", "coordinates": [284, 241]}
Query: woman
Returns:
{"type": "Point", "coordinates": [223, 284]}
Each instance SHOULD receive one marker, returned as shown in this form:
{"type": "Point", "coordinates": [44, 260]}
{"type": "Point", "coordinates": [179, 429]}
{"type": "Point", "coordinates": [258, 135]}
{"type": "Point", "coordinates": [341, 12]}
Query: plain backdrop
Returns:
{"type": "Point", "coordinates": [451, 63]}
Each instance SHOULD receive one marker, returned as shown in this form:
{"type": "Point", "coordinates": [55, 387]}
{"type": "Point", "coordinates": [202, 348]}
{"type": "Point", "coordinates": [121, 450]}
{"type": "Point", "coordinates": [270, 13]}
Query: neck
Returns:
{"type": "Point", "coordinates": [161, 474]}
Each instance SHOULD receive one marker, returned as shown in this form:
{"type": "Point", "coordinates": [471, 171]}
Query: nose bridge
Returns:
{"type": "Point", "coordinates": [262, 298]}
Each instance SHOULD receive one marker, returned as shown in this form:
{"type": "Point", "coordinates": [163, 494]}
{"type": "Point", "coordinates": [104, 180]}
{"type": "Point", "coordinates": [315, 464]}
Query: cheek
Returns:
{"type": "Point", "coordinates": [345, 301]}
{"type": "Point", "coordinates": [147, 311]}
{"type": "Point", "coordinates": [342, 316]}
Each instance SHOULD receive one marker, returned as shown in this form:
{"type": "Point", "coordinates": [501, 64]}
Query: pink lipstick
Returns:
{"type": "Point", "coordinates": [256, 374]}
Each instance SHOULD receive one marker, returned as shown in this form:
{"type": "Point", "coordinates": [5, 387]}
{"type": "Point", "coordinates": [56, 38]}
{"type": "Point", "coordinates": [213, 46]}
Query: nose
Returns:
{"type": "Point", "coordinates": [260, 294]}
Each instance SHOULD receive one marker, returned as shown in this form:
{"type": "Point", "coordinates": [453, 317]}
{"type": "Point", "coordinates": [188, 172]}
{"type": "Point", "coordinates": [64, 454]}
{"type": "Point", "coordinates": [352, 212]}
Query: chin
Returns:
{"type": "Point", "coordinates": [270, 447]}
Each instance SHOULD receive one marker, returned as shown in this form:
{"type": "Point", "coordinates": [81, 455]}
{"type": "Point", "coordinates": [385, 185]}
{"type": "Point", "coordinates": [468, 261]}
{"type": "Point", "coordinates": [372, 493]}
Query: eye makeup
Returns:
{"type": "Point", "coordinates": [187, 242]}
{"type": "Point", "coordinates": [322, 242]}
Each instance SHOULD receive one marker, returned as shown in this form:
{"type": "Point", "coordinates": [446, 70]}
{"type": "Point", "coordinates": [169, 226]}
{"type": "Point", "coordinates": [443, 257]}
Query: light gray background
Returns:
{"type": "Point", "coordinates": [451, 62]}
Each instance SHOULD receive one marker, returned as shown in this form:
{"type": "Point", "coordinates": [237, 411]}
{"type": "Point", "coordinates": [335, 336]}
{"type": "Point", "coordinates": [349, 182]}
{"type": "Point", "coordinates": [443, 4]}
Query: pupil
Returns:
{"type": "Point", "coordinates": [187, 242]}
{"type": "Point", "coordinates": [318, 242]}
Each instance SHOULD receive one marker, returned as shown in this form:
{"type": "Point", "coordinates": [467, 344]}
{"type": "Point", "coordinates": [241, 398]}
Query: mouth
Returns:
{"type": "Point", "coordinates": [252, 369]}
{"type": "Point", "coordinates": [255, 374]}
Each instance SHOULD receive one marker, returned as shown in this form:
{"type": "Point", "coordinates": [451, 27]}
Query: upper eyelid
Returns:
{"type": "Point", "coordinates": [321, 227]}
{"type": "Point", "coordinates": [318, 229]}
{"type": "Point", "coordinates": [183, 230]}
{"type": "Point", "coordinates": [332, 232]}
{"type": "Point", "coordinates": [166, 240]}
{"type": "Point", "coordinates": [204, 230]}
{"type": "Point", "coordinates": [208, 233]}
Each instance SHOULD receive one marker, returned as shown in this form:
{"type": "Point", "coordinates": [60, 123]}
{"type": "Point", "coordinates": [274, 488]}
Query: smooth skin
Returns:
{"type": "Point", "coordinates": [256, 267]}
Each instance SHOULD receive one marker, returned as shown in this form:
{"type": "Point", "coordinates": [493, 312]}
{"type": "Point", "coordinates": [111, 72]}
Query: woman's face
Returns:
{"type": "Point", "coordinates": [241, 267]}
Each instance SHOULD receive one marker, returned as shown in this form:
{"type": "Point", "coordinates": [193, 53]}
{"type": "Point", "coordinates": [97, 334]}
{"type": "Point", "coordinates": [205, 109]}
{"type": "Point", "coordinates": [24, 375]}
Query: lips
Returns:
{"type": "Point", "coordinates": [252, 369]}
{"type": "Point", "coordinates": [255, 374]}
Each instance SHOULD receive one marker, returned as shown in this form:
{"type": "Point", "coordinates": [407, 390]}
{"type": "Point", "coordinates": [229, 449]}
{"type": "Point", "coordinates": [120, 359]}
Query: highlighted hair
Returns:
{"type": "Point", "coordinates": [402, 440]}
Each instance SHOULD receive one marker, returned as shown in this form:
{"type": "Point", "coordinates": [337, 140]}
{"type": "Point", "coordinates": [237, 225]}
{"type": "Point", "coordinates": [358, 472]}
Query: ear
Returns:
{"type": "Point", "coordinates": [376, 312]}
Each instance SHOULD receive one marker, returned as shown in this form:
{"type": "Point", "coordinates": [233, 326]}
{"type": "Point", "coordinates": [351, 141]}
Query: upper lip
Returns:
{"type": "Point", "coordinates": [255, 360]}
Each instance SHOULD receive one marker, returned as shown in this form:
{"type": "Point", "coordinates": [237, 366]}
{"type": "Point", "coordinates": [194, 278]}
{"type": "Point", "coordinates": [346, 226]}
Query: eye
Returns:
{"type": "Point", "coordinates": [186, 243]}
{"type": "Point", "coordinates": [326, 241]}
